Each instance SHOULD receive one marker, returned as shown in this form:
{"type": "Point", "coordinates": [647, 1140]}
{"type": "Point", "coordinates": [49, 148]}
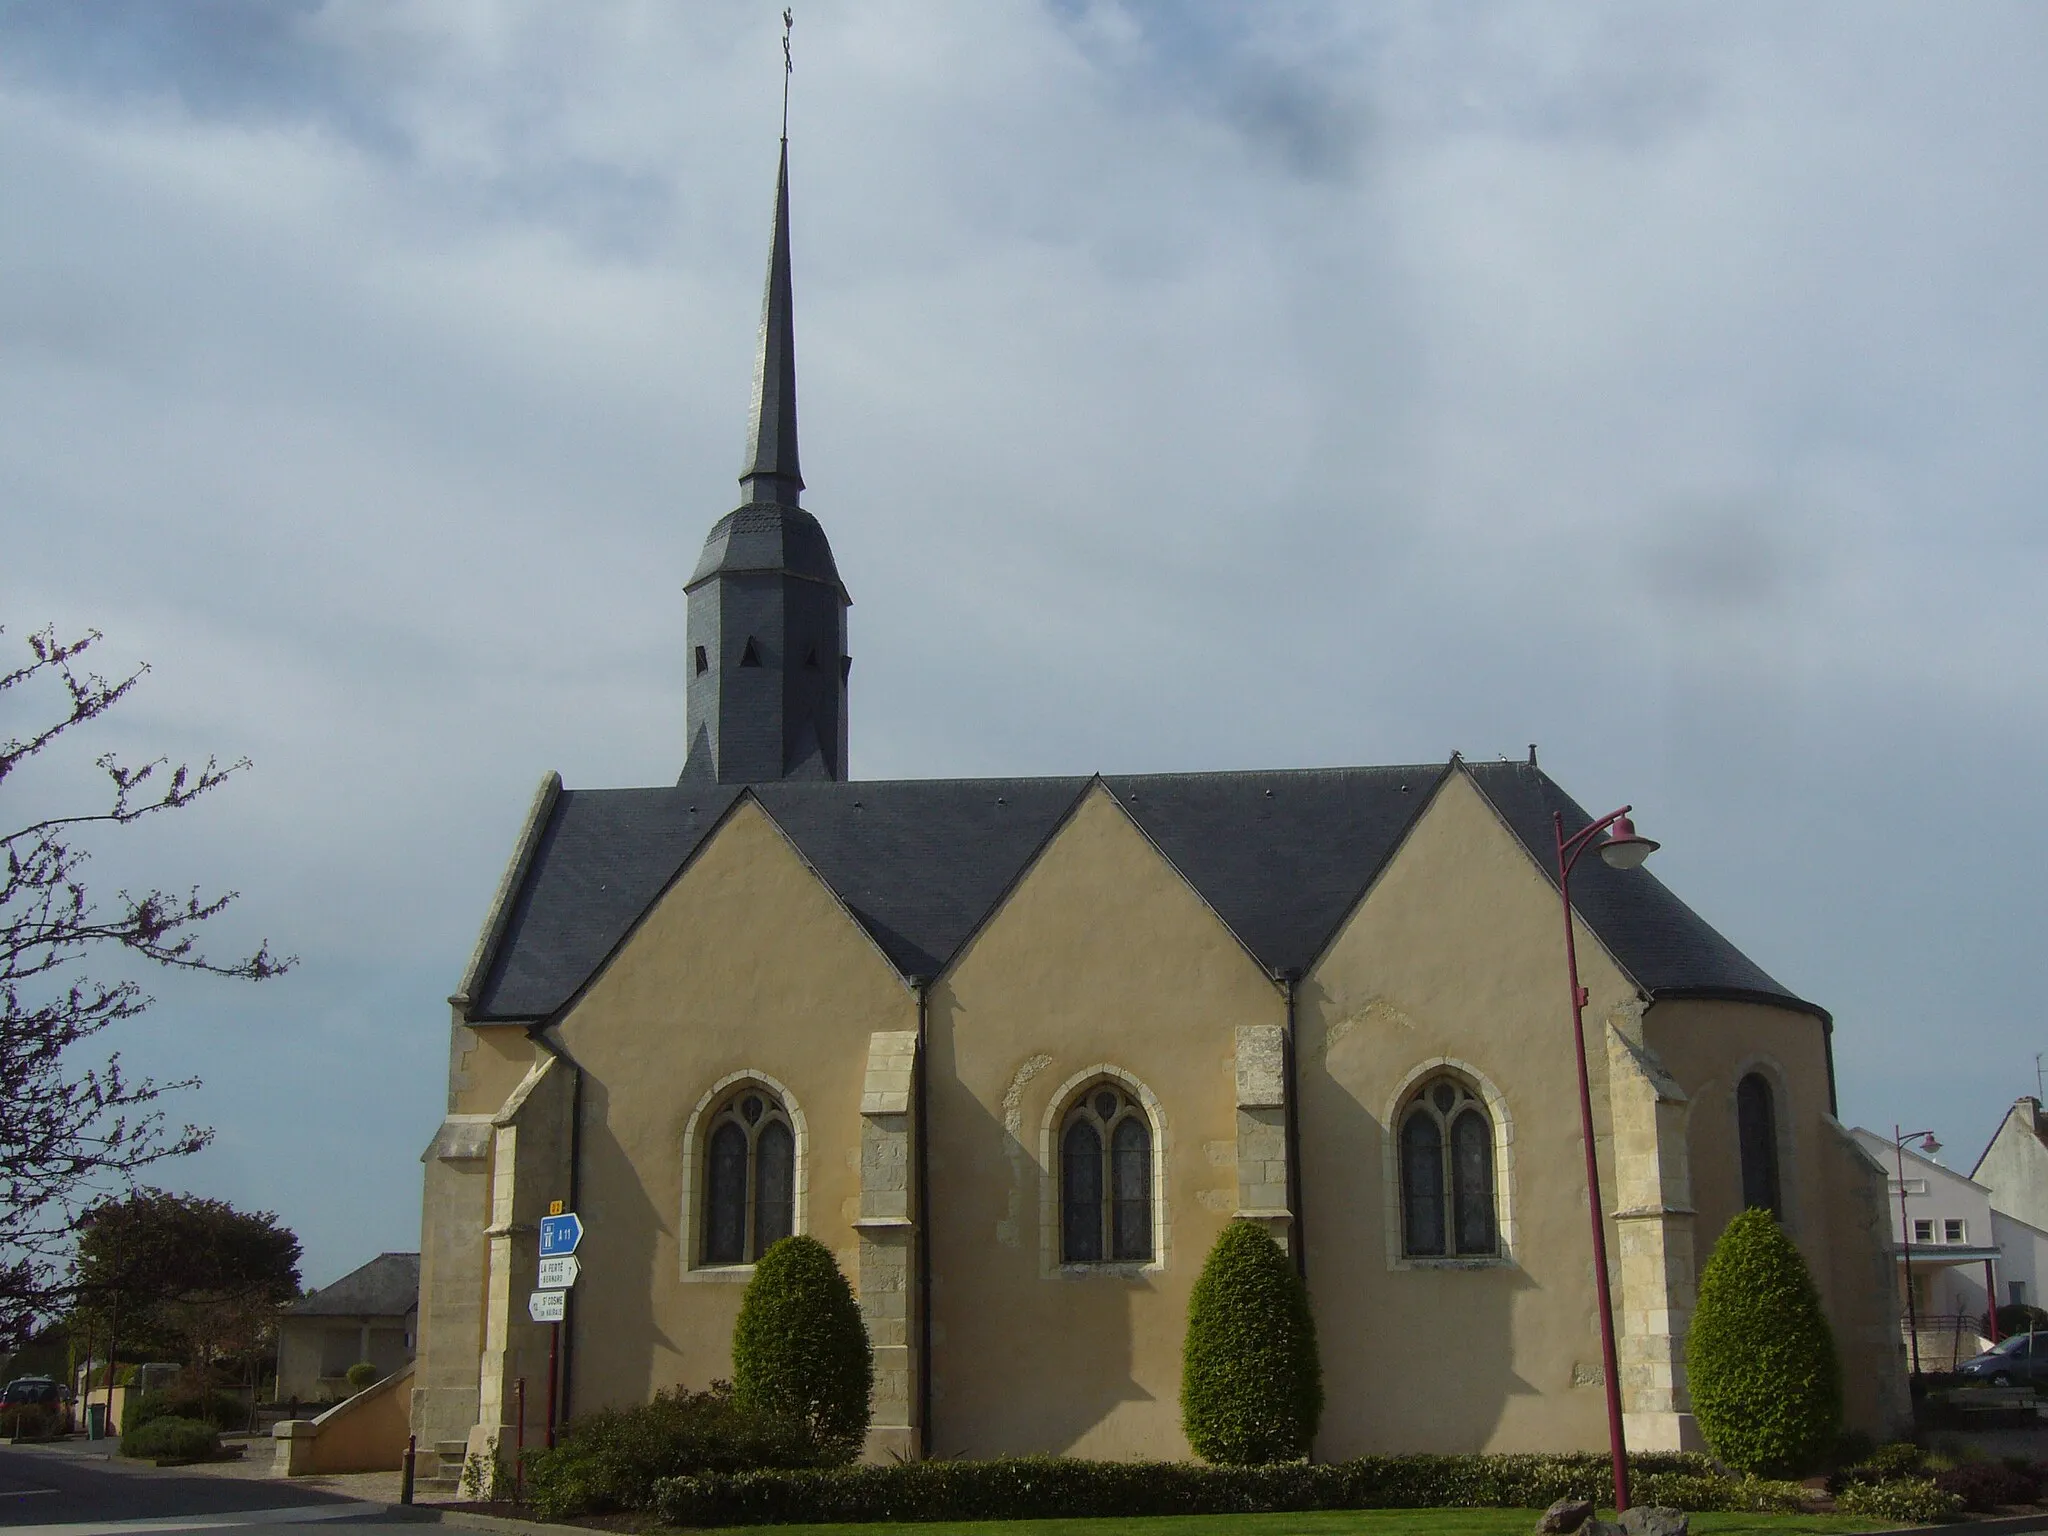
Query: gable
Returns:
{"type": "Point", "coordinates": [1101, 899]}
{"type": "Point", "coordinates": [1461, 911]}
{"type": "Point", "coordinates": [748, 918]}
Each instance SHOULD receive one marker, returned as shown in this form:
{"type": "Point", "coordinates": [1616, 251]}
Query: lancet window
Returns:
{"type": "Point", "coordinates": [749, 1177]}
{"type": "Point", "coordinates": [1106, 1179]}
{"type": "Point", "coordinates": [1448, 1209]}
{"type": "Point", "coordinates": [1756, 1124]}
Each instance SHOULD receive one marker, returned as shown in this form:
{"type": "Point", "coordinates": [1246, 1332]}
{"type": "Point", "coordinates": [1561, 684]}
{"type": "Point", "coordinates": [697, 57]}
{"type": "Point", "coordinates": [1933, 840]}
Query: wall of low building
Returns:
{"type": "Point", "coordinates": [747, 965]}
{"type": "Point", "coordinates": [1102, 960]}
{"type": "Point", "coordinates": [314, 1353]}
{"type": "Point", "coordinates": [2023, 1257]}
{"type": "Point", "coordinates": [1454, 960]}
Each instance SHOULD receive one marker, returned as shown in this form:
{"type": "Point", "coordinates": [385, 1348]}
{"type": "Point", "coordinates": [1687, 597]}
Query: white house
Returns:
{"type": "Point", "coordinates": [1946, 1238]}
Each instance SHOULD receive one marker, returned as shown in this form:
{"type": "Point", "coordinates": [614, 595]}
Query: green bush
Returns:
{"type": "Point", "coordinates": [1051, 1488]}
{"type": "Point", "coordinates": [800, 1350]}
{"type": "Point", "coordinates": [362, 1374]}
{"type": "Point", "coordinates": [172, 1440]}
{"type": "Point", "coordinates": [1900, 1458]}
{"type": "Point", "coordinates": [217, 1408]}
{"type": "Point", "coordinates": [1699, 1495]}
{"type": "Point", "coordinates": [1909, 1501]}
{"type": "Point", "coordinates": [609, 1461]}
{"type": "Point", "coordinates": [1251, 1385]}
{"type": "Point", "coordinates": [1766, 1387]}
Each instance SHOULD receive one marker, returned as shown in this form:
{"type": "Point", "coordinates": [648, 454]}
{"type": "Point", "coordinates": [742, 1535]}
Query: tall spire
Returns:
{"type": "Point", "coordinates": [772, 475]}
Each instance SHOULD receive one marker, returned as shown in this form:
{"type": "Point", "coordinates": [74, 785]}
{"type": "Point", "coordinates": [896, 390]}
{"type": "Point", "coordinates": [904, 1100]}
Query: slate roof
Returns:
{"type": "Point", "coordinates": [1281, 857]}
{"type": "Point", "coordinates": [387, 1286]}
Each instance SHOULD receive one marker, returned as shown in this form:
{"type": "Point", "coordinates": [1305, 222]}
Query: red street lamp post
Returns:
{"type": "Point", "coordinates": [1930, 1146]}
{"type": "Point", "coordinates": [1622, 848]}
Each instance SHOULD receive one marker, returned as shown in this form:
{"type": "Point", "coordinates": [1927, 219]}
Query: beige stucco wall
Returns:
{"type": "Point", "coordinates": [1455, 953]}
{"type": "Point", "coordinates": [1833, 1196]}
{"type": "Point", "coordinates": [747, 964]}
{"type": "Point", "coordinates": [1101, 956]}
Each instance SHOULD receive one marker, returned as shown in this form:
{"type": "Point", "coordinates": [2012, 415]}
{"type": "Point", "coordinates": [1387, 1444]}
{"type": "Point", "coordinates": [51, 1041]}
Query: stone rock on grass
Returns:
{"type": "Point", "coordinates": [1655, 1520]}
{"type": "Point", "coordinates": [1564, 1517]}
{"type": "Point", "coordinates": [1601, 1528]}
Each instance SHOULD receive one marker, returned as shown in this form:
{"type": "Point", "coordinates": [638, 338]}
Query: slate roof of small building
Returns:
{"type": "Point", "coordinates": [1281, 857]}
{"type": "Point", "coordinates": [387, 1286]}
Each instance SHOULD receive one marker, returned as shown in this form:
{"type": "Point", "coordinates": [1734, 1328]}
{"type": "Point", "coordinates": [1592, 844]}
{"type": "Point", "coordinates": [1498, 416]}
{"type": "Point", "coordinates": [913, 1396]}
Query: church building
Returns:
{"type": "Point", "coordinates": [1017, 1050]}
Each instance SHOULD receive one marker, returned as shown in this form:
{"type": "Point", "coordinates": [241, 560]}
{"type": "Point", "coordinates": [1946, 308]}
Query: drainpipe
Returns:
{"type": "Point", "coordinates": [922, 1234]}
{"type": "Point", "coordinates": [1289, 980]}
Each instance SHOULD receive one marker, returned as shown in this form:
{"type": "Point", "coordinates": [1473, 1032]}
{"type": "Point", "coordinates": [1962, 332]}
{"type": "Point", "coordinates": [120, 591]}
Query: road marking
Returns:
{"type": "Point", "coordinates": [23, 1493]}
{"type": "Point", "coordinates": [228, 1520]}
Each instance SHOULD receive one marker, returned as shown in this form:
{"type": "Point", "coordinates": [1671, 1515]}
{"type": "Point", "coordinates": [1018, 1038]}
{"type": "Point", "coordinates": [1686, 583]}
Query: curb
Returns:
{"type": "Point", "coordinates": [1968, 1527]}
{"type": "Point", "coordinates": [456, 1515]}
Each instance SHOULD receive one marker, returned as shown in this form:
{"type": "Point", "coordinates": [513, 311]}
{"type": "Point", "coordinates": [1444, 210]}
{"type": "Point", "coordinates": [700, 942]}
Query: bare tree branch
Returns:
{"type": "Point", "coordinates": [71, 1134]}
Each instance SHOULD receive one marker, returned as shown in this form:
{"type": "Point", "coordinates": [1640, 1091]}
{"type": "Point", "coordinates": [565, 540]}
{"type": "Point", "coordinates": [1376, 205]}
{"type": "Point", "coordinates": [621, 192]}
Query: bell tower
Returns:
{"type": "Point", "coordinates": [766, 659]}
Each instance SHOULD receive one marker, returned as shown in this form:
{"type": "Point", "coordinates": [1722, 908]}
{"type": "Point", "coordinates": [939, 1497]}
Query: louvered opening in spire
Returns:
{"type": "Point", "coordinates": [772, 475]}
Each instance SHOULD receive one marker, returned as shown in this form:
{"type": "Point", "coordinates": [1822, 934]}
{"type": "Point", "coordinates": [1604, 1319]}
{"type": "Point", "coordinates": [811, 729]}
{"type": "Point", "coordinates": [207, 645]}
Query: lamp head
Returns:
{"type": "Point", "coordinates": [1624, 847]}
{"type": "Point", "coordinates": [1929, 1145]}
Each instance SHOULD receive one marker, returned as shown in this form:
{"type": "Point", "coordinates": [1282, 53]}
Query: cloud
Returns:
{"type": "Point", "coordinates": [1183, 387]}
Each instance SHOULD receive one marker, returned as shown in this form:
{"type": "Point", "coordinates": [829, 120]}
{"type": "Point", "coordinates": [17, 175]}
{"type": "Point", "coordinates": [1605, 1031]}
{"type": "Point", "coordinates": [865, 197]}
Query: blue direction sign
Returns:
{"type": "Point", "coordinates": [560, 1234]}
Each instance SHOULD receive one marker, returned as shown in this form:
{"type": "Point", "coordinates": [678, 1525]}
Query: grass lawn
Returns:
{"type": "Point", "coordinates": [1361, 1522]}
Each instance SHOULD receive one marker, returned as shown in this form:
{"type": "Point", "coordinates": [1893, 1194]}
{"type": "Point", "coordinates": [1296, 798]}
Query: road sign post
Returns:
{"type": "Point", "coordinates": [547, 1306]}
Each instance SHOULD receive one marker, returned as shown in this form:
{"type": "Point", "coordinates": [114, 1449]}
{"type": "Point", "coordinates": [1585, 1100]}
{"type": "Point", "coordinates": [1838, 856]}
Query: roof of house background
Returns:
{"type": "Point", "coordinates": [1282, 857]}
{"type": "Point", "coordinates": [387, 1286]}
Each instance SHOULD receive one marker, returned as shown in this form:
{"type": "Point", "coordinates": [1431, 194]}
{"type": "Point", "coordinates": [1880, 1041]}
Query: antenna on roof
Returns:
{"type": "Point", "coordinates": [788, 68]}
{"type": "Point", "coordinates": [2038, 1094]}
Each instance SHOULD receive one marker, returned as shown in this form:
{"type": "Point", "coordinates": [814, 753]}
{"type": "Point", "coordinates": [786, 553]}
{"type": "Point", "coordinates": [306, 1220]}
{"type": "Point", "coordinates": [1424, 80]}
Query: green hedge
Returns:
{"type": "Point", "coordinates": [1251, 1384]}
{"type": "Point", "coordinates": [1051, 1488]}
{"type": "Point", "coordinates": [218, 1408]}
{"type": "Point", "coordinates": [172, 1440]}
{"type": "Point", "coordinates": [1909, 1501]}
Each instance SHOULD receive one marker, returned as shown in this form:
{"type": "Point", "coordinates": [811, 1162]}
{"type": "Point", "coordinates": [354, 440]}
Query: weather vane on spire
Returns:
{"type": "Point", "coordinates": [788, 68]}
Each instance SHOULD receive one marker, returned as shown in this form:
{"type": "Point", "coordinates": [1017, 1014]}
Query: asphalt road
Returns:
{"type": "Point", "coordinates": [74, 1493]}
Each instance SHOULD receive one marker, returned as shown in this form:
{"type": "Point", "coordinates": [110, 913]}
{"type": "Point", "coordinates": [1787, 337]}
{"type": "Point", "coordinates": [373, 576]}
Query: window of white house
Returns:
{"type": "Point", "coordinates": [749, 1178]}
{"type": "Point", "coordinates": [1106, 1179]}
{"type": "Point", "coordinates": [2016, 1292]}
{"type": "Point", "coordinates": [1447, 1195]}
{"type": "Point", "coordinates": [1923, 1231]}
{"type": "Point", "coordinates": [1952, 1230]}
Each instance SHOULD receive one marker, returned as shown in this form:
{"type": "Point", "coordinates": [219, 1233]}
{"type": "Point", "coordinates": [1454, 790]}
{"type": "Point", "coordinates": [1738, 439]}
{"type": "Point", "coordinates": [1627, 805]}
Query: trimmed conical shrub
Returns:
{"type": "Point", "coordinates": [800, 1350]}
{"type": "Point", "coordinates": [1766, 1386]}
{"type": "Point", "coordinates": [1251, 1383]}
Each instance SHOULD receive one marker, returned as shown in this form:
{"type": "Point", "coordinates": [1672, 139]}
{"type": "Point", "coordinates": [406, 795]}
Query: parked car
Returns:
{"type": "Point", "coordinates": [43, 1392]}
{"type": "Point", "coordinates": [2020, 1361]}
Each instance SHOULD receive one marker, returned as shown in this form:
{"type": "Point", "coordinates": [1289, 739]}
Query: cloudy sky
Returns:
{"type": "Point", "coordinates": [1184, 386]}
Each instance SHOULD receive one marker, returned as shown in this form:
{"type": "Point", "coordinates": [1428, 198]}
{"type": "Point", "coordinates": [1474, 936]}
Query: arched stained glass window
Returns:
{"type": "Point", "coordinates": [749, 1178]}
{"type": "Point", "coordinates": [1448, 1203]}
{"type": "Point", "coordinates": [1756, 1122]}
{"type": "Point", "coordinates": [1106, 1179]}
